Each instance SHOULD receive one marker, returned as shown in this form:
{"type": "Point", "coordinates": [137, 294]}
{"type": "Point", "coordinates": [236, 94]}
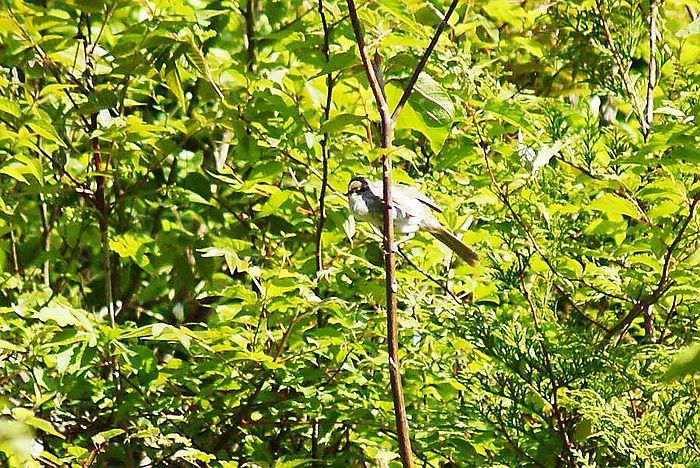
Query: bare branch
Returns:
{"type": "Point", "coordinates": [424, 59]}
{"type": "Point", "coordinates": [391, 285]}
{"type": "Point", "coordinates": [651, 79]}
{"type": "Point", "coordinates": [324, 149]}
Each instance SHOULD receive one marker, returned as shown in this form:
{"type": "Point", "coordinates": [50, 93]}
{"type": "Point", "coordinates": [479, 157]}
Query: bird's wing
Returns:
{"type": "Point", "coordinates": [403, 191]}
{"type": "Point", "coordinates": [377, 188]}
{"type": "Point", "coordinates": [418, 195]}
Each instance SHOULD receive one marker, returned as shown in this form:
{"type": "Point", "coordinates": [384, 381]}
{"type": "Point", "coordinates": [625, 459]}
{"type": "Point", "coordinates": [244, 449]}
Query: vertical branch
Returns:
{"type": "Point", "coordinates": [45, 238]}
{"type": "Point", "coordinates": [250, 34]}
{"type": "Point", "coordinates": [46, 225]}
{"type": "Point", "coordinates": [387, 137]}
{"type": "Point", "coordinates": [103, 216]}
{"type": "Point", "coordinates": [391, 285]}
{"type": "Point", "coordinates": [324, 143]}
{"type": "Point", "coordinates": [13, 253]}
{"type": "Point", "coordinates": [320, 319]}
{"type": "Point", "coordinates": [651, 79]}
{"type": "Point", "coordinates": [547, 360]}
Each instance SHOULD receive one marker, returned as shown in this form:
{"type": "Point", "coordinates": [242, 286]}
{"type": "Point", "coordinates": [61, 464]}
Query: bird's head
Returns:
{"type": "Point", "coordinates": [356, 185]}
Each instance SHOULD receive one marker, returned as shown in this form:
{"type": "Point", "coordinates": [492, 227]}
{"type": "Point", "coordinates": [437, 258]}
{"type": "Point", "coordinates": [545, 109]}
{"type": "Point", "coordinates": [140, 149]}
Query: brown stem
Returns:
{"type": "Point", "coordinates": [651, 80]}
{"type": "Point", "coordinates": [103, 215]}
{"type": "Point", "coordinates": [46, 238]}
{"type": "Point", "coordinates": [324, 150]}
{"type": "Point", "coordinates": [387, 137]}
{"type": "Point", "coordinates": [13, 252]}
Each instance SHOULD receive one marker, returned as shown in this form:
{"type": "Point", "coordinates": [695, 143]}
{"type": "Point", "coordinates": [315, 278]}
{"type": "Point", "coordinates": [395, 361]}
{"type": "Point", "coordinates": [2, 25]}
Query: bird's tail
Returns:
{"type": "Point", "coordinates": [456, 245]}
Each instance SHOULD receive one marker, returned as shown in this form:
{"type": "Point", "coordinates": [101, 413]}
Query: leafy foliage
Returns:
{"type": "Point", "coordinates": [181, 286]}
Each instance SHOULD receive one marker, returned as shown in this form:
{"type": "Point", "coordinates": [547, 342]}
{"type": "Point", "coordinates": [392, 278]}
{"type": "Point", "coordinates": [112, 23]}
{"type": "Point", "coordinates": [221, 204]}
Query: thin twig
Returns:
{"type": "Point", "coordinates": [663, 284]}
{"type": "Point", "coordinates": [108, 13]}
{"type": "Point", "coordinates": [515, 445]}
{"type": "Point", "coordinates": [424, 59]}
{"type": "Point", "coordinates": [503, 196]}
{"type": "Point", "coordinates": [651, 79]}
{"type": "Point", "coordinates": [324, 148]}
{"type": "Point", "coordinates": [320, 318]}
{"type": "Point", "coordinates": [250, 35]}
{"type": "Point", "coordinates": [387, 137]}
{"type": "Point", "coordinates": [369, 71]}
{"type": "Point", "coordinates": [432, 279]}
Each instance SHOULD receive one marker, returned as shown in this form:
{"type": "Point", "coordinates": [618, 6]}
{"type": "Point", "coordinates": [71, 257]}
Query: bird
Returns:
{"type": "Point", "coordinates": [412, 213]}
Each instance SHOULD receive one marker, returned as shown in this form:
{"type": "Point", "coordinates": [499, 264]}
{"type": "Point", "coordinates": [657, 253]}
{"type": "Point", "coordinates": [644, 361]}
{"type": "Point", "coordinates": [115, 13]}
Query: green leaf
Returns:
{"type": "Point", "coordinates": [15, 170]}
{"type": "Point", "coordinates": [687, 361]}
{"type": "Point", "coordinates": [338, 122]}
{"type": "Point", "coordinates": [10, 107]}
{"type": "Point", "coordinates": [10, 346]}
{"type": "Point", "coordinates": [512, 113]}
{"type": "Point", "coordinates": [132, 246]}
{"type": "Point", "coordinates": [63, 359]}
{"type": "Point", "coordinates": [27, 416]}
{"type": "Point", "coordinates": [432, 102]}
{"type": "Point", "coordinates": [172, 78]}
{"type": "Point", "coordinates": [614, 205]}
{"type": "Point", "coordinates": [193, 455]}
{"type": "Point", "coordinates": [59, 313]}
{"type": "Point", "coordinates": [101, 437]}
{"type": "Point", "coordinates": [275, 202]}
{"type": "Point", "coordinates": [46, 130]}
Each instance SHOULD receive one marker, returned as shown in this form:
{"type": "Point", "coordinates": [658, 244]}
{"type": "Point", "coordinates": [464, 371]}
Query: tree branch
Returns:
{"type": "Point", "coordinates": [324, 149]}
{"type": "Point", "coordinates": [651, 79]}
{"type": "Point", "coordinates": [664, 284]}
{"type": "Point", "coordinates": [424, 59]}
{"type": "Point", "coordinates": [403, 438]}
